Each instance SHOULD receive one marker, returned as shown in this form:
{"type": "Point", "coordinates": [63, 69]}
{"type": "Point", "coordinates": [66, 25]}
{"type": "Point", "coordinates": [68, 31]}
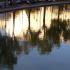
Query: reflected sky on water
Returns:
{"type": "Point", "coordinates": [45, 46]}
{"type": "Point", "coordinates": [58, 59]}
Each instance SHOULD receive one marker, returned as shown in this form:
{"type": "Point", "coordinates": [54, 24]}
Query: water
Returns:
{"type": "Point", "coordinates": [57, 59]}
{"type": "Point", "coordinates": [43, 46]}
{"type": "Point", "coordinates": [35, 57]}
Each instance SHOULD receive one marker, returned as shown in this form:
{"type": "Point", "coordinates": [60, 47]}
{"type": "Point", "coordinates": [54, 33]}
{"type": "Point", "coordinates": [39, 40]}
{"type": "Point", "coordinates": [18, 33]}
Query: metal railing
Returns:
{"type": "Point", "coordinates": [8, 8]}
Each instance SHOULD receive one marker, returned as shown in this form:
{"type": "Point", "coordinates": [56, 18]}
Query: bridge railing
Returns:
{"type": "Point", "coordinates": [10, 3]}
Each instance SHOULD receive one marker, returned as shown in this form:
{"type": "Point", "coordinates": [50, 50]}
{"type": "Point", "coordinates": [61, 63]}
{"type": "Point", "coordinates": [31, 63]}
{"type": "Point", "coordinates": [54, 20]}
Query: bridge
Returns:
{"type": "Point", "coordinates": [29, 6]}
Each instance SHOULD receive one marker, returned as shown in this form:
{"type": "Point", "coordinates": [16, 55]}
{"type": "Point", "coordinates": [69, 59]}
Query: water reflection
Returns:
{"type": "Point", "coordinates": [7, 52]}
{"type": "Point", "coordinates": [57, 33]}
{"type": "Point", "coordinates": [54, 28]}
{"type": "Point", "coordinates": [11, 47]}
{"type": "Point", "coordinates": [58, 27]}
